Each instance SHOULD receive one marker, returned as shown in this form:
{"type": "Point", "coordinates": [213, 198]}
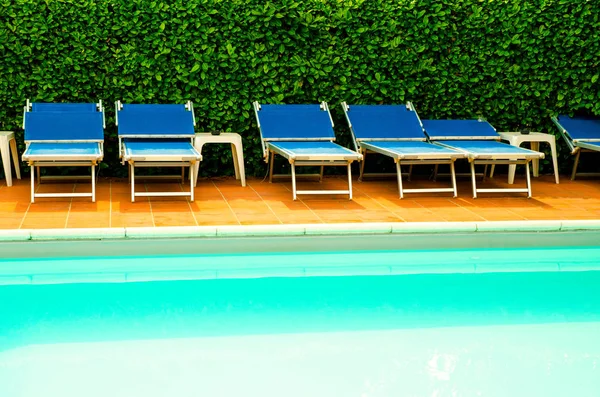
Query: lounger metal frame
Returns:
{"type": "Point", "coordinates": [38, 161]}
{"type": "Point", "coordinates": [578, 146]}
{"type": "Point", "coordinates": [158, 160]}
{"type": "Point", "coordinates": [316, 159]}
{"type": "Point", "coordinates": [486, 159]}
{"type": "Point", "coordinates": [368, 145]}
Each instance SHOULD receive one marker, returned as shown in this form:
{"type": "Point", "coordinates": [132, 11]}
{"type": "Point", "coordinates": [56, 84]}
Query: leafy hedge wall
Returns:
{"type": "Point", "coordinates": [514, 62]}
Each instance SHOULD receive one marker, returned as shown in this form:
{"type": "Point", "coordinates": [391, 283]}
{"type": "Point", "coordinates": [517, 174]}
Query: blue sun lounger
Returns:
{"type": "Point", "coordinates": [396, 131]}
{"type": "Point", "coordinates": [157, 135]}
{"type": "Point", "coordinates": [67, 135]}
{"type": "Point", "coordinates": [581, 134]}
{"type": "Point", "coordinates": [481, 143]}
{"type": "Point", "coordinates": [302, 134]}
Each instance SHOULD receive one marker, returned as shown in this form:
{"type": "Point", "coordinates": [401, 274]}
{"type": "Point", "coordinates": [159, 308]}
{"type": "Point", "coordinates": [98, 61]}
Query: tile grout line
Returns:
{"type": "Point", "coordinates": [457, 205]}
{"type": "Point", "coordinates": [381, 205]}
{"type": "Point", "coordinates": [505, 209]}
{"type": "Point", "coordinates": [227, 202]}
{"type": "Point", "coordinates": [312, 211]}
{"type": "Point", "coordinates": [189, 202]}
{"type": "Point", "coordinates": [264, 201]}
{"type": "Point", "coordinates": [70, 205]}
{"type": "Point", "coordinates": [27, 210]}
{"type": "Point", "coordinates": [472, 212]}
{"type": "Point", "coordinates": [150, 204]}
{"type": "Point", "coordinates": [307, 206]}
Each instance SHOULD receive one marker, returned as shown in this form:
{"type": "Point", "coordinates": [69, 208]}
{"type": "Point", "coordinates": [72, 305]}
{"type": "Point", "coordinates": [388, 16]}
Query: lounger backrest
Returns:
{"type": "Point", "coordinates": [295, 122]}
{"type": "Point", "coordinates": [580, 128]}
{"type": "Point", "coordinates": [384, 122]}
{"type": "Point", "coordinates": [459, 129]}
{"type": "Point", "coordinates": [63, 107]}
{"type": "Point", "coordinates": [164, 120]}
{"type": "Point", "coordinates": [64, 126]}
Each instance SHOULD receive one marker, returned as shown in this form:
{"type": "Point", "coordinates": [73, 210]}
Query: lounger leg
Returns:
{"type": "Point", "coordinates": [272, 154]}
{"type": "Point", "coordinates": [575, 164]}
{"type": "Point", "coordinates": [293, 181]}
{"type": "Point", "coordinates": [349, 181]}
{"type": "Point", "coordinates": [93, 183]}
{"type": "Point", "coordinates": [493, 169]}
{"type": "Point", "coordinates": [435, 172]}
{"type": "Point", "coordinates": [399, 176]}
{"type": "Point", "coordinates": [485, 171]}
{"type": "Point", "coordinates": [362, 166]}
{"type": "Point", "coordinates": [409, 172]}
{"type": "Point", "coordinates": [528, 179]}
{"type": "Point", "coordinates": [192, 182]}
{"type": "Point", "coordinates": [39, 174]}
{"type": "Point", "coordinates": [33, 183]}
{"type": "Point", "coordinates": [453, 176]}
{"type": "Point", "coordinates": [183, 175]}
{"type": "Point", "coordinates": [473, 180]}
{"type": "Point", "coordinates": [132, 173]}
{"type": "Point", "coordinates": [321, 174]}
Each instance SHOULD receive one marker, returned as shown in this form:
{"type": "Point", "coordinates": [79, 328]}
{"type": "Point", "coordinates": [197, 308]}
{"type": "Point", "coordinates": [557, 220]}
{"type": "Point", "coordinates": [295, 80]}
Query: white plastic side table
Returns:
{"type": "Point", "coordinates": [516, 139]}
{"type": "Point", "coordinates": [237, 151]}
{"type": "Point", "coordinates": [8, 144]}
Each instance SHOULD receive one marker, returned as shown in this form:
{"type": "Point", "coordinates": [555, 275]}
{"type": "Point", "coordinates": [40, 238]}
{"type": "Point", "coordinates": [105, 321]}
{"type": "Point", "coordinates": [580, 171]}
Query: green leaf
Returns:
{"type": "Point", "coordinates": [513, 61]}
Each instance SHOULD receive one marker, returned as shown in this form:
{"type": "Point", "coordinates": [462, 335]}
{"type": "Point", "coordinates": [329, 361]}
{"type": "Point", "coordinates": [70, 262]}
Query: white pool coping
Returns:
{"type": "Point", "coordinates": [297, 230]}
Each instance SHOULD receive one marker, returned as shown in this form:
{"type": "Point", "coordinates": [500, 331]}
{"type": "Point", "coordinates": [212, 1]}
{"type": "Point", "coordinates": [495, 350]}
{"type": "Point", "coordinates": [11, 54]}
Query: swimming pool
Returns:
{"type": "Point", "coordinates": [491, 315]}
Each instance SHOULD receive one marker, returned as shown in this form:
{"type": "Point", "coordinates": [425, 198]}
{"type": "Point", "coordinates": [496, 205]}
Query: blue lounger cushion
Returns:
{"type": "Point", "coordinates": [180, 150]}
{"type": "Point", "coordinates": [580, 128]}
{"type": "Point", "coordinates": [482, 148]}
{"type": "Point", "coordinates": [411, 149]}
{"type": "Point", "coordinates": [312, 150]}
{"type": "Point", "coordinates": [376, 122]}
{"type": "Point", "coordinates": [63, 151]}
{"type": "Point", "coordinates": [293, 122]}
{"type": "Point", "coordinates": [447, 129]}
{"type": "Point", "coordinates": [63, 107]}
{"type": "Point", "coordinates": [155, 123]}
{"type": "Point", "coordinates": [59, 126]}
{"type": "Point", "coordinates": [153, 107]}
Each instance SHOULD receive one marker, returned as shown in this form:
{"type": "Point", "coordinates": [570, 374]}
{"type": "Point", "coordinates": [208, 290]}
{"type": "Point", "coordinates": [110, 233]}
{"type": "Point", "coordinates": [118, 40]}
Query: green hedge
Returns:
{"type": "Point", "coordinates": [511, 61]}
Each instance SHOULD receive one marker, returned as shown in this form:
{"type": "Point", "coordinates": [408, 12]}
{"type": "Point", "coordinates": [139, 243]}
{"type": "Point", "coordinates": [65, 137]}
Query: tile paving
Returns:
{"type": "Point", "coordinates": [222, 201]}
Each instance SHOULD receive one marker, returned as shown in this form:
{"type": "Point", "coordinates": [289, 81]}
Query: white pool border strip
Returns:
{"type": "Point", "coordinates": [296, 230]}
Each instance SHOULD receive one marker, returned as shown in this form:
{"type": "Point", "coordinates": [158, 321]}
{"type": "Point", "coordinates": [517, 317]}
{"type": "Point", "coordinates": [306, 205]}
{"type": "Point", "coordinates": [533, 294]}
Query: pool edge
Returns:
{"type": "Point", "coordinates": [13, 235]}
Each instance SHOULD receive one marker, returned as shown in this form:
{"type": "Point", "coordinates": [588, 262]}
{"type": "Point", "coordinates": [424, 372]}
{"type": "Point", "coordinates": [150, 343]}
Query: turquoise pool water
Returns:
{"type": "Point", "coordinates": [131, 268]}
{"type": "Point", "coordinates": [492, 334]}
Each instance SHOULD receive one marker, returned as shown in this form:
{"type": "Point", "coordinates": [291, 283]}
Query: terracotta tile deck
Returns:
{"type": "Point", "coordinates": [222, 201]}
